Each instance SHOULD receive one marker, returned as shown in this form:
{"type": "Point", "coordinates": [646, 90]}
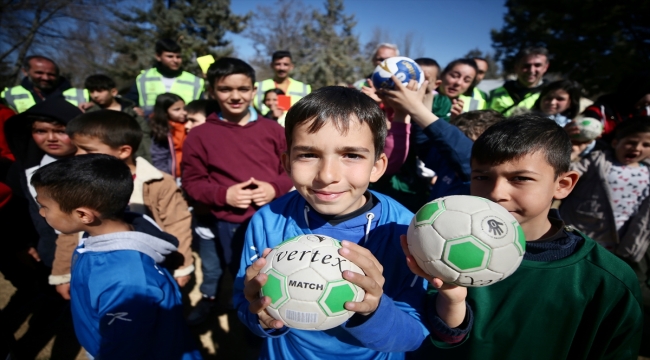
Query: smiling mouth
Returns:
{"type": "Point", "coordinates": [327, 195]}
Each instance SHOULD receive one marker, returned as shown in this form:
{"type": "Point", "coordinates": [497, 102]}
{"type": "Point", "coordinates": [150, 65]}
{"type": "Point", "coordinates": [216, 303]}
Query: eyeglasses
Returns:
{"type": "Point", "coordinates": [380, 59]}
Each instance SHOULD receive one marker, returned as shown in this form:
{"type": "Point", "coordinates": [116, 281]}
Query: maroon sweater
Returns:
{"type": "Point", "coordinates": [219, 154]}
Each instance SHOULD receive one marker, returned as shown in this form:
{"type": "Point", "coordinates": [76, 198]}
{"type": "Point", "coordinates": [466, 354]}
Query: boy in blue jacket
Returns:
{"type": "Point", "coordinates": [335, 138]}
{"type": "Point", "coordinates": [125, 304]}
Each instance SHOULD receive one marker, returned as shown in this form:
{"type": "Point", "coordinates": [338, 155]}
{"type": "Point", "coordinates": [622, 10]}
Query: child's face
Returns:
{"type": "Point", "coordinates": [525, 187]}
{"type": "Point", "coordinates": [51, 138]}
{"type": "Point", "coordinates": [431, 75]}
{"type": "Point", "coordinates": [271, 100]}
{"type": "Point", "coordinates": [632, 149]}
{"type": "Point", "coordinates": [57, 219]}
{"type": "Point", "coordinates": [458, 80]}
{"type": "Point", "coordinates": [103, 98]}
{"type": "Point", "coordinates": [332, 170]}
{"type": "Point", "coordinates": [194, 120]}
{"type": "Point", "coordinates": [94, 145]}
{"type": "Point", "coordinates": [177, 112]}
{"type": "Point", "coordinates": [555, 102]}
{"type": "Point", "coordinates": [234, 94]}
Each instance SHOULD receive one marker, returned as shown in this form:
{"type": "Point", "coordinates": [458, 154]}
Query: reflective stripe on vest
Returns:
{"type": "Point", "coordinates": [296, 90]}
{"type": "Point", "coordinates": [150, 85]}
{"type": "Point", "coordinates": [76, 96]}
{"type": "Point", "coordinates": [471, 104]}
{"type": "Point", "coordinates": [18, 98]}
{"type": "Point", "coordinates": [501, 101]}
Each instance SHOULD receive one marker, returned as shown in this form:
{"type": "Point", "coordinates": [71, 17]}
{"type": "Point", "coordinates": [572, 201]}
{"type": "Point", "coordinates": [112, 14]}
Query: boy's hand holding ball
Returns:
{"type": "Point", "coordinates": [253, 282]}
{"type": "Point", "coordinates": [372, 282]}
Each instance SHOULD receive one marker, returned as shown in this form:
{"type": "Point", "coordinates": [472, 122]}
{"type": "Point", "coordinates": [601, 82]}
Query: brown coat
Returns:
{"type": "Point", "coordinates": [156, 195]}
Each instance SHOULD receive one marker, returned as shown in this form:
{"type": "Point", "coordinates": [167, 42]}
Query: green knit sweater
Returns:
{"type": "Point", "coordinates": [585, 306]}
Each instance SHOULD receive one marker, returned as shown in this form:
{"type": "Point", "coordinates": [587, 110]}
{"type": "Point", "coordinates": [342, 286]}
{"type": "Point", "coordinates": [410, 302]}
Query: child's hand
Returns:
{"type": "Point", "coordinates": [372, 282]}
{"type": "Point", "coordinates": [63, 290]}
{"type": "Point", "coordinates": [239, 197]}
{"type": "Point", "coordinates": [571, 128]}
{"type": "Point", "coordinates": [456, 108]}
{"type": "Point", "coordinates": [371, 91]}
{"type": "Point", "coordinates": [404, 98]}
{"type": "Point", "coordinates": [85, 106]}
{"type": "Point", "coordinates": [450, 303]}
{"type": "Point", "coordinates": [253, 282]}
{"type": "Point", "coordinates": [183, 280]}
{"type": "Point", "coordinates": [264, 194]}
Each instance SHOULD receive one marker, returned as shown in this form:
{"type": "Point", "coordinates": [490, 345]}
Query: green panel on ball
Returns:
{"type": "Point", "coordinates": [335, 295]}
{"type": "Point", "coordinates": [275, 288]}
{"type": "Point", "coordinates": [521, 238]}
{"type": "Point", "coordinates": [428, 213]}
{"type": "Point", "coordinates": [466, 254]}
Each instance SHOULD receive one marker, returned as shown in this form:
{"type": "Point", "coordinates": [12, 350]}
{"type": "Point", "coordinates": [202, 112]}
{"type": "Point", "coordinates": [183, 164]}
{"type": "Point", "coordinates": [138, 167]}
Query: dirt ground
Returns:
{"type": "Point", "coordinates": [223, 336]}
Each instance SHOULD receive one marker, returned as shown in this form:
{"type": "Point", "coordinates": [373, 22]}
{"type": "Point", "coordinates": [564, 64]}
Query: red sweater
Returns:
{"type": "Point", "coordinates": [219, 154]}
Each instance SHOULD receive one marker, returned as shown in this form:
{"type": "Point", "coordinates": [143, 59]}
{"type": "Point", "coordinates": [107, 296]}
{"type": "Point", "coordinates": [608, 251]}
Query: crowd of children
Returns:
{"type": "Point", "coordinates": [111, 205]}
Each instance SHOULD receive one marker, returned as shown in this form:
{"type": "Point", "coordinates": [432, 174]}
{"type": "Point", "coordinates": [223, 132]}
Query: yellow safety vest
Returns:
{"type": "Point", "coordinates": [501, 101]}
{"type": "Point", "coordinates": [150, 85]}
{"type": "Point", "coordinates": [296, 90]}
{"type": "Point", "coordinates": [472, 103]}
{"type": "Point", "coordinates": [20, 99]}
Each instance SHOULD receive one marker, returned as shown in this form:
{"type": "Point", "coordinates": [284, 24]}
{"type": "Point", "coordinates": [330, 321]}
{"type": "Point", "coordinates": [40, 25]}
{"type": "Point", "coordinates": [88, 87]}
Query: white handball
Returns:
{"type": "Point", "coordinates": [306, 285]}
{"type": "Point", "coordinates": [466, 240]}
{"type": "Point", "coordinates": [404, 69]}
{"type": "Point", "coordinates": [590, 129]}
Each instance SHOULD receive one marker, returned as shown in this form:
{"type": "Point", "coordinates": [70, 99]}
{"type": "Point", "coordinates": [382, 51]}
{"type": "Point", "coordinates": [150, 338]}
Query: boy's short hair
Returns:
{"type": "Point", "coordinates": [474, 123]}
{"type": "Point", "coordinates": [167, 45]}
{"type": "Point", "coordinates": [281, 54]}
{"type": "Point", "coordinates": [113, 128]}
{"type": "Point", "coordinates": [337, 104]}
{"type": "Point", "coordinates": [635, 125]}
{"type": "Point", "coordinates": [521, 135]}
{"type": "Point", "coordinates": [101, 182]}
{"type": "Point", "coordinates": [229, 66]}
{"type": "Point", "coordinates": [202, 106]}
{"type": "Point", "coordinates": [275, 90]}
{"type": "Point", "coordinates": [99, 82]}
{"type": "Point", "coordinates": [423, 61]}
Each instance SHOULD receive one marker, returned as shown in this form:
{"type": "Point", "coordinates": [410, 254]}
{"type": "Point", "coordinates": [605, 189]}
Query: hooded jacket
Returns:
{"type": "Point", "coordinates": [18, 130]}
{"type": "Point", "coordinates": [125, 304]}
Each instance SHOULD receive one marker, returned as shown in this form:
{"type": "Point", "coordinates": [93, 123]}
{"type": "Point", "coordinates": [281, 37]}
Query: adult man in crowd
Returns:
{"type": "Point", "coordinates": [282, 65]}
{"type": "Point", "coordinates": [382, 52]}
{"type": "Point", "coordinates": [42, 81]}
{"type": "Point", "coordinates": [530, 67]}
{"type": "Point", "coordinates": [165, 76]}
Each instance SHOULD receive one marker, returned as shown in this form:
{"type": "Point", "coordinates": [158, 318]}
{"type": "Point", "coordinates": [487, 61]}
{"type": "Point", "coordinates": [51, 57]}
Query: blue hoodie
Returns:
{"type": "Point", "coordinates": [395, 327]}
{"type": "Point", "coordinates": [125, 304]}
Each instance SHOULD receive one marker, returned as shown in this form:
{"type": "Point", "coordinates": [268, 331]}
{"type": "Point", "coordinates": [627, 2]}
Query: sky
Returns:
{"type": "Point", "coordinates": [448, 29]}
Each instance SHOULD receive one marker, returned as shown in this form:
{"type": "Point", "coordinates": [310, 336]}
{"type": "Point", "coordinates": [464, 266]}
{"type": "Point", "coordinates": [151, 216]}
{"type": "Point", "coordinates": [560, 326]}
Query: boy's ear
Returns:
{"type": "Point", "coordinates": [125, 151]}
{"type": "Point", "coordinates": [437, 83]}
{"type": "Point", "coordinates": [113, 92]}
{"type": "Point", "coordinates": [565, 184]}
{"type": "Point", "coordinates": [86, 215]}
{"type": "Point", "coordinates": [378, 168]}
{"type": "Point", "coordinates": [285, 162]}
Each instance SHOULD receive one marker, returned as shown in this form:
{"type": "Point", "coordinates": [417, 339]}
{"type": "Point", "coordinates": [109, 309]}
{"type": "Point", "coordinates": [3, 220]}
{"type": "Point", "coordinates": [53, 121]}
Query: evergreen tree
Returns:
{"type": "Point", "coordinates": [331, 53]}
{"type": "Point", "coordinates": [595, 42]}
{"type": "Point", "coordinates": [199, 26]}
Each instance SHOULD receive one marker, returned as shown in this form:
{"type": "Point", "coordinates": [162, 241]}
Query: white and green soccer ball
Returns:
{"type": "Point", "coordinates": [590, 129]}
{"type": "Point", "coordinates": [306, 285]}
{"type": "Point", "coordinates": [466, 240]}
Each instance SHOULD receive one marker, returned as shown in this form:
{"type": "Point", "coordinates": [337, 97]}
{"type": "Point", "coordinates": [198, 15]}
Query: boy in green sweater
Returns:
{"type": "Point", "coordinates": [570, 298]}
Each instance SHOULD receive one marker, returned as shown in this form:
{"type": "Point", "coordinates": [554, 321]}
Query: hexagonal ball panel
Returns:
{"type": "Point", "coordinates": [336, 294]}
{"type": "Point", "coordinates": [428, 213]}
{"type": "Point", "coordinates": [466, 254]}
{"type": "Point", "coordinates": [275, 288]}
{"type": "Point", "coordinates": [479, 278]}
{"type": "Point", "coordinates": [453, 225]}
{"type": "Point", "coordinates": [304, 315]}
{"type": "Point", "coordinates": [305, 285]}
{"type": "Point", "coordinates": [466, 203]}
{"type": "Point", "coordinates": [424, 242]}
{"type": "Point", "coordinates": [492, 229]}
{"type": "Point", "coordinates": [520, 242]}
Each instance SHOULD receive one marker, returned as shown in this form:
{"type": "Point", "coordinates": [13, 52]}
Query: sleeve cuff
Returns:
{"type": "Point", "coordinates": [59, 279]}
{"type": "Point", "coordinates": [184, 271]}
{"type": "Point", "coordinates": [442, 336]}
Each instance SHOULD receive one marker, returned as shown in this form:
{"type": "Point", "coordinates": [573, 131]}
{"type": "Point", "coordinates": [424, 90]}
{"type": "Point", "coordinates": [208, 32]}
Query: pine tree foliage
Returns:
{"type": "Point", "coordinates": [595, 42]}
{"type": "Point", "coordinates": [199, 26]}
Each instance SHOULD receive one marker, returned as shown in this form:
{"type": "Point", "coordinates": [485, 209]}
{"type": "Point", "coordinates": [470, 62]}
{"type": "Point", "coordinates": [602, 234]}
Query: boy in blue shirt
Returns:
{"type": "Point", "coordinates": [125, 304]}
{"type": "Point", "coordinates": [335, 138]}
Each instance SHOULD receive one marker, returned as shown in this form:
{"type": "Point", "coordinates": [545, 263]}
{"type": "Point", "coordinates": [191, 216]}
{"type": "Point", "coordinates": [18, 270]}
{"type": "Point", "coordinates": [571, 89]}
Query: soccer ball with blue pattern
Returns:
{"type": "Point", "coordinates": [403, 68]}
{"type": "Point", "coordinates": [466, 240]}
{"type": "Point", "coordinates": [306, 285]}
